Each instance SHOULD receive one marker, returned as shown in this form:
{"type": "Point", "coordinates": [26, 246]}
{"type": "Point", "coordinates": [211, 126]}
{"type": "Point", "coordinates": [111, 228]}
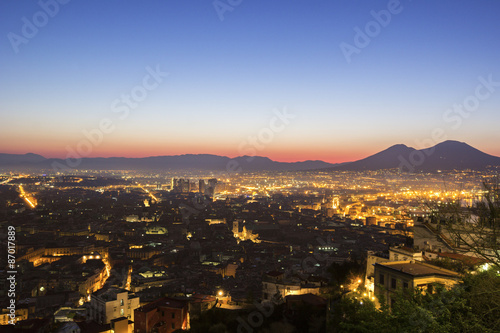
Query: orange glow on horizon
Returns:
{"type": "Point", "coordinates": [284, 156]}
{"type": "Point", "coordinates": [131, 149]}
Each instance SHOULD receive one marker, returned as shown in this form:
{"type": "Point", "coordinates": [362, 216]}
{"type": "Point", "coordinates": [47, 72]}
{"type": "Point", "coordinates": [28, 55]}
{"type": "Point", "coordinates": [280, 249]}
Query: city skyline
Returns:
{"type": "Point", "coordinates": [250, 166]}
{"type": "Point", "coordinates": [355, 78]}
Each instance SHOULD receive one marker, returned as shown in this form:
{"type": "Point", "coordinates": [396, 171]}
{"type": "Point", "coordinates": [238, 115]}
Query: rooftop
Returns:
{"type": "Point", "coordinates": [416, 268]}
{"type": "Point", "coordinates": [111, 293]}
{"type": "Point", "coordinates": [274, 273]}
{"type": "Point", "coordinates": [404, 249]}
{"type": "Point", "coordinates": [165, 302]}
{"type": "Point", "coordinates": [468, 260]}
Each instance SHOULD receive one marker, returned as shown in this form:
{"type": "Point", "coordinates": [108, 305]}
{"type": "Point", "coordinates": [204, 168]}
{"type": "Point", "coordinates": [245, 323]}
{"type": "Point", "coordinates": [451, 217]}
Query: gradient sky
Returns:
{"type": "Point", "coordinates": [226, 78]}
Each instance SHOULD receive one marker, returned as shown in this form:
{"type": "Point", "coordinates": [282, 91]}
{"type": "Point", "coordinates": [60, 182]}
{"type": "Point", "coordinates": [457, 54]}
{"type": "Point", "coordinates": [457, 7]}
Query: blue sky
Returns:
{"type": "Point", "coordinates": [226, 78]}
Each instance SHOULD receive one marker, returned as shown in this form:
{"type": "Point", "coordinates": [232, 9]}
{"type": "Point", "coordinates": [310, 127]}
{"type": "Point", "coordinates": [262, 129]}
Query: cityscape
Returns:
{"type": "Point", "coordinates": [249, 167]}
{"type": "Point", "coordinates": [106, 250]}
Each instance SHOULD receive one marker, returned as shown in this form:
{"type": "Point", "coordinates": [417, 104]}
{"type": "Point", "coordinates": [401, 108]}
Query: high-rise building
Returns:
{"type": "Point", "coordinates": [202, 186]}
{"type": "Point", "coordinates": [185, 185]}
{"type": "Point", "coordinates": [236, 228]}
{"type": "Point", "coordinates": [181, 185]}
{"type": "Point", "coordinates": [212, 182]}
{"type": "Point", "coordinates": [211, 189]}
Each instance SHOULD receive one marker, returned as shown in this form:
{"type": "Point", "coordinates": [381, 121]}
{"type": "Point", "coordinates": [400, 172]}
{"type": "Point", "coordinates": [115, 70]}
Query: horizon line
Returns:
{"type": "Point", "coordinates": [238, 156]}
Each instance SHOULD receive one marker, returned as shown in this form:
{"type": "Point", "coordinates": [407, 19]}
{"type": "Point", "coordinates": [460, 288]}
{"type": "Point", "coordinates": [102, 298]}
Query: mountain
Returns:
{"type": "Point", "coordinates": [177, 162]}
{"type": "Point", "coordinates": [386, 159]}
{"type": "Point", "coordinates": [17, 159]}
{"type": "Point", "coordinates": [448, 155]}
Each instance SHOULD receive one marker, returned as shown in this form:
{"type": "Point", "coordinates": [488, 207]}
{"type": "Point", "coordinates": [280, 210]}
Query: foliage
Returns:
{"type": "Point", "coordinates": [474, 229]}
{"type": "Point", "coordinates": [349, 315]}
{"type": "Point", "coordinates": [472, 306]}
{"type": "Point", "coordinates": [279, 327]}
{"type": "Point", "coordinates": [452, 265]}
{"type": "Point", "coordinates": [342, 273]}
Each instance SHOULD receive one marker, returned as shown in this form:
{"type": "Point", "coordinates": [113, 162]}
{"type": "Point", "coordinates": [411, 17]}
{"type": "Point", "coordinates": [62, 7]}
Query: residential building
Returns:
{"type": "Point", "coordinates": [274, 283]}
{"type": "Point", "coordinates": [113, 303]}
{"type": "Point", "coordinates": [164, 315]}
{"type": "Point", "coordinates": [407, 275]}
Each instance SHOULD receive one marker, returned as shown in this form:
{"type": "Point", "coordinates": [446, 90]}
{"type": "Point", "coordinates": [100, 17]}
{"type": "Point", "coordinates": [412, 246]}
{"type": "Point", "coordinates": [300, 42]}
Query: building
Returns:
{"type": "Point", "coordinates": [149, 279]}
{"type": "Point", "coordinates": [112, 303]}
{"type": "Point", "coordinates": [247, 231]}
{"type": "Point", "coordinates": [199, 303]}
{"type": "Point", "coordinates": [210, 190]}
{"type": "Point", "coordinates": [404, 253]}
{"type": "Point", "coordinates": [181, 185]}
{"type": "Point", "coordinates": [212, 182]}
{"type": "Point", "coordinates": [372, 259]}
{"type": "Point", "coordinates": [202, 186]}
{"type": "Point", "coordinates": [371, 220]}
{"type": "Point", "coordinates": [467, 262]}
{"type": "Point", "coordinates": [393, 275]}
{"type": "Point", "coordinates": [121, 325]}
{"type": "Point", "coordinates": [399, 253]}
{"type": "Point", "coordinates": [275, 284]}
{"type": "Point", "coordinates": [6, 317]}
{"type": "Point", "coordinates": [164, 315]}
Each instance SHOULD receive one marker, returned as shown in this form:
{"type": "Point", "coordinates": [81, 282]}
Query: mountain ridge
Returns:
{"type": "Point", "coordinates": [171, 162]}
{"type": "Point", "coordinates": [447, 155]}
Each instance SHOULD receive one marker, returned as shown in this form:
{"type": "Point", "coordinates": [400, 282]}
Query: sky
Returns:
{"type": "Point", "coordinates": [290, 80]}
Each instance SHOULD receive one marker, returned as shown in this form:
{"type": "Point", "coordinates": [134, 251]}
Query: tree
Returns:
{"type": "Point", "coordinates": [347, 271]}
{"type": "Point", "coordinates": [218, 328]}
{"type": "Point", "coordinates": [482, 292]}
{"type": "Point", "coordinates": [352, 315]}
{"type": "Point", "coordinates": [475, 229]}
{"type": "Point", "coordinates": [279, 327]}
{"type": "Point", "coordinates": [471, 306]}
